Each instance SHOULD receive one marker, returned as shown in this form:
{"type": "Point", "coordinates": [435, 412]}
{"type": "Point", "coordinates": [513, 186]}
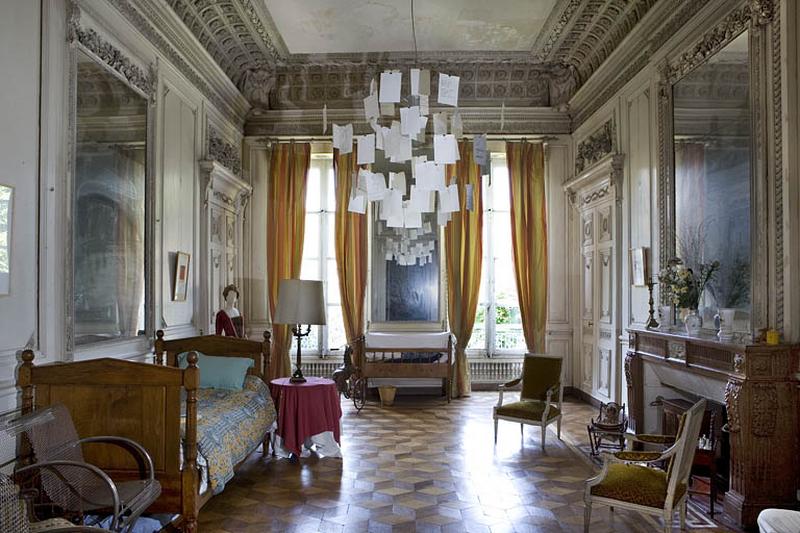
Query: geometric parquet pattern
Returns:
{"type": "Point", "coordinates": [423, 465]}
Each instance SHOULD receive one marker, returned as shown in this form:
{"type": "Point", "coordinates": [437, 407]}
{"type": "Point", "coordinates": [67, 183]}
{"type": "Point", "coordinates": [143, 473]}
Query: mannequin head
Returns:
{"type": "Point", "coordinates": [231, 295]}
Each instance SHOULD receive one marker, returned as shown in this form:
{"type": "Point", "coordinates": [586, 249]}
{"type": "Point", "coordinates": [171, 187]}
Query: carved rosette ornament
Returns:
{"type": "Point", "coordinates": [223, 152]}
{"type": "Point", "coordinates": [628, 361]}
{"type": "Point", "coordinates": [113, 57]}
{"type": "Point", "coordinates": [732, 392]}
{"type": "Point", "coordinates": [596, 146]}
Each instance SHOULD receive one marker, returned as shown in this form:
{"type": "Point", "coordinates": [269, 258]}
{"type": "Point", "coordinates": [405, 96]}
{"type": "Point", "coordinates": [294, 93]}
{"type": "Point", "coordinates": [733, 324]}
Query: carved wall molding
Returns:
{"type": "Point", "coordinates": [710, 43]}
{"type": "Point", "coordinates": [225, 153]}
{"type": "Point", "coordinates": [596, 146]}
{"type": "Point", "coordinates": [110, 55]}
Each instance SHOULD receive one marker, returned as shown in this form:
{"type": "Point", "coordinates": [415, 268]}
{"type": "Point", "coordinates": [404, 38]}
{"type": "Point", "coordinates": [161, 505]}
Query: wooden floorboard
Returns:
{"type": "Point", "coordinates": [423, 465]}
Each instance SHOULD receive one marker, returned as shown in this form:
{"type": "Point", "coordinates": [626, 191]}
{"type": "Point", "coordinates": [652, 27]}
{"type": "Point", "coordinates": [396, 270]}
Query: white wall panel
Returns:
{"type": "Point", "coordinates": [19, 166]}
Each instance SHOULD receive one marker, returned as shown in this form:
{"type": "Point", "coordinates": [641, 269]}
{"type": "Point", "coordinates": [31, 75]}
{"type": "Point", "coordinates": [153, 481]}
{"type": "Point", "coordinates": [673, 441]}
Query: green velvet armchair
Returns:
{"type": "Point", "coordinates": [540, 399]}
{"type": "Point", "coordinates": [625, 482]}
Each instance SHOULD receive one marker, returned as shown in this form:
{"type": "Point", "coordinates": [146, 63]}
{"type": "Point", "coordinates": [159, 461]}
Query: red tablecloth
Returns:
{"type": "Point", "coordinates": [305, 409]}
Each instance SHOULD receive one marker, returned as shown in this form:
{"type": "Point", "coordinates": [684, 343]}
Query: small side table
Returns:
{"type": "Point", "coordinates": [308, 413]}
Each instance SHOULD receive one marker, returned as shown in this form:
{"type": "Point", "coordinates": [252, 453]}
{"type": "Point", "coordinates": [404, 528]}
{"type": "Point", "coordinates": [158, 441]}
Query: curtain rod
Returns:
{"type": "Point", "coordinates": [489, 137]}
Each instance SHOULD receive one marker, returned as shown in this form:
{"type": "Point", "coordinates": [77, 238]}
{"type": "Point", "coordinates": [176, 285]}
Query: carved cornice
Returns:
{"type": "Point", "coordinates": [597, 182]}
{"type": "Point", "coordinates": [223, 152]}
{"type": "Point", "coordinates": [712, 42]}
{"type": "Point", "coordinates": [308, 122]}
{"type": "Point", "coordinates": [596, 146]}
{"type": "Point", "coordinates": [667, 18]}
{"type": "Point", "coordinates": [110, 55]}
{"type": "Point", "coordinates": [154, 27]}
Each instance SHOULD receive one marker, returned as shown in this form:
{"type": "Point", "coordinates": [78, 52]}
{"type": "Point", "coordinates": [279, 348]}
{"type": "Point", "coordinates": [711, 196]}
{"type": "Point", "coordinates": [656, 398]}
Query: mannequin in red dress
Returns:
{"type": "Point", "coordinates": [228, 320]}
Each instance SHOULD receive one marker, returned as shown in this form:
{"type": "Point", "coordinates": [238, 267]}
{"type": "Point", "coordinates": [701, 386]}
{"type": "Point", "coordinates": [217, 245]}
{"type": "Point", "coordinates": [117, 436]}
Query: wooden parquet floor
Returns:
{"type": "Point", "coordinates": [423, 465]}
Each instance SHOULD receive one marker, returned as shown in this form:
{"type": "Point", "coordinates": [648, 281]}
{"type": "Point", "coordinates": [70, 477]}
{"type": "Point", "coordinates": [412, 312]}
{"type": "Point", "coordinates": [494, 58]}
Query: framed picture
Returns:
{"type": "Point", "coordinates": [6, 216]}
{"type": "Point", "coordinates": [181, 277]}
{"type": "Point", "coordinates": [639, 270]}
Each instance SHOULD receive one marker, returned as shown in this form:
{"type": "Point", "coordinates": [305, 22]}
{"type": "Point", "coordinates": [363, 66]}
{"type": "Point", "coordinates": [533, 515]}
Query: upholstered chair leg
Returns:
{"type": "Point", "coordinates": [522, 429]}
{"type": "Point", "coordinates": [682, 511]}
{"type": "Point", "coordinates": [668, 523]}
{"type": "Point", "coordinates": [495, 431]}
{"type": "Point", "coordinates": [587, 516]}
{"type": "Point", "coordinates": [558, 428]}
{"type": "Point", "coordinates": [544, 434]}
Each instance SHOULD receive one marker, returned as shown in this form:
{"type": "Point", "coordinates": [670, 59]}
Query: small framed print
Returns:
{"type": "Point", "coordinates": [181, 277]}
{"type": "Point", "coordinates": [639, 271]}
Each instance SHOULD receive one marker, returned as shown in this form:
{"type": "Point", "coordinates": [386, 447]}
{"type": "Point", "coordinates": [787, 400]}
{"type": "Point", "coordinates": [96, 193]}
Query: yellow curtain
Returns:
{"type": "Point", "coordinates": [286, 217]}
{"type": "Point", "coordinates": [529, 237]}
{"type": "Point", "coordinates": [463, 243]}
{"type": "Point", "coordinates": [351, 248]}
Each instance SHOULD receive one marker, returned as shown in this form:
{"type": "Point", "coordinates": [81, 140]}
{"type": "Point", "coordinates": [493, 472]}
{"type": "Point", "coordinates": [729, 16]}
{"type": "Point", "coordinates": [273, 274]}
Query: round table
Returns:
{"type": "Point", "coordinates": [308, 414]}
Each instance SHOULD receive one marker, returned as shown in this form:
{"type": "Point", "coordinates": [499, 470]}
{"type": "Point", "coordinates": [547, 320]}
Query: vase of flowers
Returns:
{"type": "Point", "coordinates": [684, 288]}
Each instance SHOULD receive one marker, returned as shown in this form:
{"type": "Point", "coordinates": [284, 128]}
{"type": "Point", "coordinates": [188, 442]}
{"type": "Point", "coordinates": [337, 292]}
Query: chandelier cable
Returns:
{"type": "Point", "coordinates": [414, 34]}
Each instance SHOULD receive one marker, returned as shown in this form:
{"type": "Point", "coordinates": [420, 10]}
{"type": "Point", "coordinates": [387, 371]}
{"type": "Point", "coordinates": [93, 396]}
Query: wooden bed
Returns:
{"type": "Point", "coordinates": [141, 401]}
{"type": "Point", "coordinates": [373, 360]}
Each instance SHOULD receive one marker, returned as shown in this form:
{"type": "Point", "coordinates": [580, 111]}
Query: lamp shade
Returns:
{"type": "Point", "coordinates": [300, 301]}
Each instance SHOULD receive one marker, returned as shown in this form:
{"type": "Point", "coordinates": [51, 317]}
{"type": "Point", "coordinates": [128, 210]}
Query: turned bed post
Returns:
{"type": "Point", "coordinates": [25, 382]}
{"type": "Point", "coordinates": [159, 347]}
{"type": "Point", "coordinates": [190, 485]}
{"type": "Point", "coordinates": [266, 352]}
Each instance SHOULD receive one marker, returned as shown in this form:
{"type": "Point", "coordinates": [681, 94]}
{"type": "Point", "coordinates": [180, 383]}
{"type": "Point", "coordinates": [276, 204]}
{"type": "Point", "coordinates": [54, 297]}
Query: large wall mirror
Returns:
{"type": "Point", "coordinates": [713, 169]}
{"type": "Point", "coordinates": [109, 208]}
{"type": "Point", "coordinates": [406, 289]}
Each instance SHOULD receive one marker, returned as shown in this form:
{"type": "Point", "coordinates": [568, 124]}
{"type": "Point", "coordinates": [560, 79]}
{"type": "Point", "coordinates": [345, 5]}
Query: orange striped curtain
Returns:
{"type": "Point", "coordinates": [351, 248]}
{"type": "Point", "coordinates": [286, 218]}
{"type": "Point", "coordinates": [463, 243]}
{"type": "Point", "coordinates": [529, 237]}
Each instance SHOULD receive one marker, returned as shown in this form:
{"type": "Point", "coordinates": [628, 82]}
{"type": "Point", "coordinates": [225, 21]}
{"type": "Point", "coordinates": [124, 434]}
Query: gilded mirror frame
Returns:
{"type": "Point", "coordinates": [142, 81]}
{"type": "Point", "coordinates": [758, 17]}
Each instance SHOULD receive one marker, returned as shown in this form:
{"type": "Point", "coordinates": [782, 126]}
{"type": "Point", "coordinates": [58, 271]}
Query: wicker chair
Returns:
{"type": "Point", "coordinates": [540, 400]}
{"type": "Point", "coordinates": [646, 489]}
{"type": "Point", "coordinates": [78, 487]}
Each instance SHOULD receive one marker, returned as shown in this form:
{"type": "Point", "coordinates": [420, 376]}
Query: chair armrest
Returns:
{"type": "Point", "coordinates": [553, 391]}
{"type": "Point", "coordinates": [502, 387]}
{"type": "Point", "coordinates": [512, 383]}
{"type": "Point", "coordinates": [126, 444]}
{"type": "Point", "coordinates": [53, 465]}
{"type": "Point", "coordinates": [646, 438]}
{"type": "Point", "coordinates": [637, 457]}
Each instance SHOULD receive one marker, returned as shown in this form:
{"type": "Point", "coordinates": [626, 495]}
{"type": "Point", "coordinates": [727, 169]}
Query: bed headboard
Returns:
{"type": "Point", "coordinates": [216, 345]}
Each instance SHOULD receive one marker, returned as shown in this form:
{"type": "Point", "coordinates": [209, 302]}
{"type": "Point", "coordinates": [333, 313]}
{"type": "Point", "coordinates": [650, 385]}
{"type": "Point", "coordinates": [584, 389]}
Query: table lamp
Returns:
{"type": "Point", "coordinates": [300, 301]}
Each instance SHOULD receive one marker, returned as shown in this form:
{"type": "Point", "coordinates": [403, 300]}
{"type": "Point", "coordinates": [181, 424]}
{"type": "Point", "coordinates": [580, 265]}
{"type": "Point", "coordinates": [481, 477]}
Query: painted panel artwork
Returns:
{"type": "Point", "coordinates": [181, 277]}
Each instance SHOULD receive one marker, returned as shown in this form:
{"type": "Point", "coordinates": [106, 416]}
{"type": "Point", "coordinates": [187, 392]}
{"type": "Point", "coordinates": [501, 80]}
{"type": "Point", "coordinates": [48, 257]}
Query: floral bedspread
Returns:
{"type": "Point", "coordinates": [230, 425]}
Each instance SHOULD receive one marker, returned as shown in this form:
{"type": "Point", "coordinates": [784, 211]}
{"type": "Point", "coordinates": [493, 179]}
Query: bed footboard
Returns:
{"type": "Point", "coordinates": [139, 401]}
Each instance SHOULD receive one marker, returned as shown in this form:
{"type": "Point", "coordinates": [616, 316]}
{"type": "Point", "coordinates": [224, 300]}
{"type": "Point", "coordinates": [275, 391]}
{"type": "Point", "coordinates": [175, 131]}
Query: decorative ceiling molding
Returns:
{"type": "Point", "coordinates": [596, 146]}
{"type": "Point", "coordinates": [655, 30]}
{"type": "Point", "coordinates": [308, 122]}
{"type": "Point", "coordinates": [225, 153]}
{"type": "Point", "coordinates": [149, 19]}
{"type": "Point", "coordinates": [577, 37]}
{"type": "Point", "coordinates": [482, 84]}
{"type": "Point", "coordinates": [587, 32]}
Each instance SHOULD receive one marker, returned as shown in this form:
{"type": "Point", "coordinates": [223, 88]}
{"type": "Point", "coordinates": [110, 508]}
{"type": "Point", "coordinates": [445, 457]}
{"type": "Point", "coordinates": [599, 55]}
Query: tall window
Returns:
{"type": "Point", "coordinates": [498, 324]}
{"type": "Point", "coordinates": [319, 254]}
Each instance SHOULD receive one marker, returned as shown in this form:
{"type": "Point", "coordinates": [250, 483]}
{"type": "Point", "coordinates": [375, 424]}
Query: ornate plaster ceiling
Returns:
{"type": "Point", "coordinates": [281, 53]}
{"type": "Point", "coordinates": [357, 26]}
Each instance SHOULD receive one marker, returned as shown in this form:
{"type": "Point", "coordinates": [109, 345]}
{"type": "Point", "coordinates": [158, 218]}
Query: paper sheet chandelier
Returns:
{"type": "Point", "coordinates": [407, 204]}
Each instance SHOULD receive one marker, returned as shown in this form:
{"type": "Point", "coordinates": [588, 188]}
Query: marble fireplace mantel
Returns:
{"type": "Point", "coordinates": [761, 398]}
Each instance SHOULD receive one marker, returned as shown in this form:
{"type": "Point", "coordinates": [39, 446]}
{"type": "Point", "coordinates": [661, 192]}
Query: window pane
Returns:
{"type": "Point", "coordinates": [478, 339]}
{"type": "Point", "coordinates": [309, 344]}
{"type": "Point", "coordinates": [330, 201]}
{"type": "Point", "coordinates": [336, 336]}
{"type": "Point", "coordinates": [500, 187]}
{"type": "Point", "coordinates": [313, 187]}
{"type": "Point", "coordinates": [310, 269]}
{"type": "Point", "coordinates": [331, 243]}
{"type": "Point", "coordinates": [508, 329]}
{"type": "Point", "coordinates": [332, 281]}
{"type": "Point", "coordinates": [311, 243]}
{"type": "Point", "coordinates": [501, 236]}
